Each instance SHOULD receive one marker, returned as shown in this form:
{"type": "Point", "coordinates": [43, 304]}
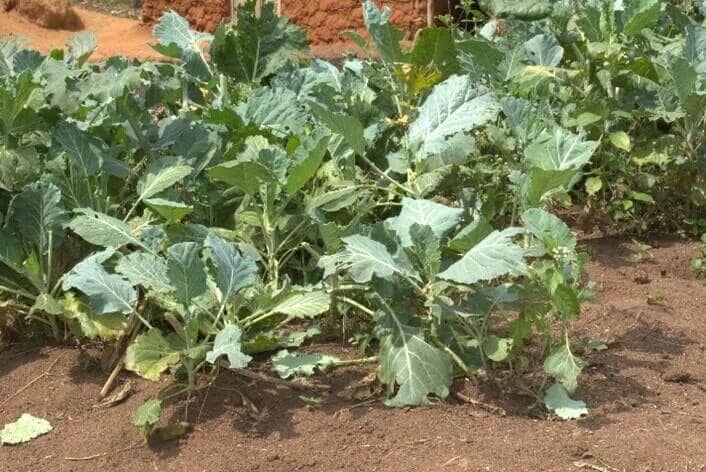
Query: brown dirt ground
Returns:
{"type": "Point", "coordinates": [114, 36]}
{"type": "Point", "coordinates": [646, 395]}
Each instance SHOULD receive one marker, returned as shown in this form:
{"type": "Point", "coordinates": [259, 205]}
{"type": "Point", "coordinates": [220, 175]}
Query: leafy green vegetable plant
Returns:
{"type": "Point", "coordinates": [206, 211]}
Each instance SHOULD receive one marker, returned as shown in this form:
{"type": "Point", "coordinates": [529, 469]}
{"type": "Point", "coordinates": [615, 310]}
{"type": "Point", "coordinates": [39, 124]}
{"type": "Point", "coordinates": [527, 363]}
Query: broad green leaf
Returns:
{"type": "Point", "coordinates": [247, 176]}
{"type": "Point", "coordinates": [427, 247]}
{"type": "Point", "coordinates": [145, 269]}
{"type": "Point", "coordinates": [566, 301]}
{"type": "Point", "coordinates": [695, 46]}
{"type": "Point", "coordinates": [84, 150]}
{"type": "Point", "coordinates": [11, 253]}
{"type": "Point", "coordinates": [228, 343]}
{"type": "Point", "coordinates": [497, 349]}
{"type": "Point", "coordinates": [435, 47]}
{"type": "Point", "coordinates": [640, 14]}
{"type": "Point", "coordinates": [107, 293]}
{"type": "Point", "coordinates": [557, 399]}
{"type": "Point", "coordinates": [307, 159]}
{"type": "Point", "coordinates": [151, 354]}
{"type": "Point", "coordinates": [103, 230]}
{"type": "Point", "coordinates": [496, 255]}
{"type": "Point", "coordinates": [303, 304]}
{"type": "Point", "coordinates": [24, 429]}
{"type": "Point", "coordinates": [288, 364]}
{"type": "Point", "coordinates": [39, 214]}
{"type": "Point", "coordinates": [419, 368]}
{"type": "Point", "coordinates": [256, 45]}
{"type": "Point", "coordinates": [564, 367]}
{"type": "Point", "coordinates": [524, 119]}
{"type": "Point", "coordinates": [457, 105]}
{"type": "Point", "coordinates": [345, 125]}
{"type": "Point", "coordinates": [544, 50]}
{"type": "Point", "coordinates": [559, 150]}
{"type": "Point", "coordinates": [364, 258]}
{"type": "Point", "coordinates": [160, 175]}
{"type": "Point", "coordinates": [471, 235]}
{"type": "Point", "coordinates": [233, 271]}
{"type": "Point", "coordinates": [18, 106]}
{"type": "Point", "coordinates": [186, 272]}
{"type": "Point", "coordinates": [541, 184]}
{"type": "Point", "coordinates": [385, 37]}
{"type": "Point", "coordinates": [275, 109]}
{"type": "Point", "coordinates": [549, 229]}
{"type": "Point", "coordinates": [171, 211]}
{"type": "Point", "coordinates": [176, 39]}
{"type": "Point", "coordinates": [480, 56]}
{"type": "Point", "coordinates": [146, 416]}
{"type": "Point", "coordinates": [439, 218]}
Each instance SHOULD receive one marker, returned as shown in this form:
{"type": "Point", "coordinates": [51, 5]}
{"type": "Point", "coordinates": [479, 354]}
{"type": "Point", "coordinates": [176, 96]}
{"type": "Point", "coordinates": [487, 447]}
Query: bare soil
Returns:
{"type": "Point", "coordinates": [115, 36]}
{"type": "Point", "coordinates": [646, 394]}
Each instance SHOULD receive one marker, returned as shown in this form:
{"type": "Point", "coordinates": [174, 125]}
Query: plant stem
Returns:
{"type": "Point", "coordinates": [382, 174]}
{"type": "Point", "coordinates": [361, 361]}
{"type": "Point", "coordinates": [359, 306]}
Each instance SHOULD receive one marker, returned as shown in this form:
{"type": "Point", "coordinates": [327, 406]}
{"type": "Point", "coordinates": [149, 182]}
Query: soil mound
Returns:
{"type": "Point", "coordinates": [52, 14]}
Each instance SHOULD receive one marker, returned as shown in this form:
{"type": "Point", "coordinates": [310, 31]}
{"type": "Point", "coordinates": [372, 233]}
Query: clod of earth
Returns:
{"type": "Point", "coordinates": [52, 14]}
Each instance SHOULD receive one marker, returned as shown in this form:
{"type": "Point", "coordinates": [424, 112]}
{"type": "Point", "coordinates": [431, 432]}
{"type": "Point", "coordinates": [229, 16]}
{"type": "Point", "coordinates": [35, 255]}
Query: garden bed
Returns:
{"type": "Point", "coordinates": [646, 393]}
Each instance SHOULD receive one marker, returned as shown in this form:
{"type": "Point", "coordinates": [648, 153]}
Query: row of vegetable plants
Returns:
{"type": "Point", "coordinates": [224, 207]}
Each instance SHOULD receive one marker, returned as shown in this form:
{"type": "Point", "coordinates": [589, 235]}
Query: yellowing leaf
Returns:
{"type": "Point", "coordinates": [620, 140]}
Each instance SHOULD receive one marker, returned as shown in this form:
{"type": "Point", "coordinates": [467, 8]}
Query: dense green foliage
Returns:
{"type": "Point", "coordinates": [212, 208]}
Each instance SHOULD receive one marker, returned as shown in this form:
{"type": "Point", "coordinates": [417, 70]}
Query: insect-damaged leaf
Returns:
{"type": "Point", "coordinates": [287, 364]}
{"type": "Point", "coordinates": [24, 429]}
{"type": "Point", "coordinates": [146, 416]}
{"type": "Point", "coordinates": [152, 353]}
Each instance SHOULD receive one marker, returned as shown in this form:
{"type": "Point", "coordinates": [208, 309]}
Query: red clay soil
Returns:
{"type": "Point", "coordinates": [114, 36]}
{"type": "Point", "coordinates": [646, 394]}
{"type": "Point", "coordinates": [327, 20]}
{"type": "Point", "coordinates": [204, 15]}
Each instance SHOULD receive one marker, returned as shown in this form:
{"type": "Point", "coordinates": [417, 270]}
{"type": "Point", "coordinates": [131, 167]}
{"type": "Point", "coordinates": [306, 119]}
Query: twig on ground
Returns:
{"type": "Point", "coordinates": [451, 461]}
{"type": "Point", "coordinates": [273, 380]}
{"type": "Point", "coordinates": [587, 465]}
{"type": "Point", "coordinates": [485, 406]}
{"type": "Point", "coordinates": [87, 458]}
{"type": "Point", "coordinates": [203, 404]}
{"type": "Point", "coordinates": [102, 454]}
{"type": "Point", "coordinates": [32, 382]}
{"type": "Point", "coordinates": [133, 329]}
